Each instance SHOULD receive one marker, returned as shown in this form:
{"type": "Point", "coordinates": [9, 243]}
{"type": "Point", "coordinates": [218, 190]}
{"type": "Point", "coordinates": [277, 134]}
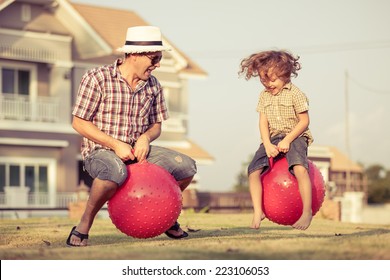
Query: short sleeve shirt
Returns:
{"type": "Point", "coordinates": [283, 108]}
{"type": "Point", "coordinates": [106, 99]}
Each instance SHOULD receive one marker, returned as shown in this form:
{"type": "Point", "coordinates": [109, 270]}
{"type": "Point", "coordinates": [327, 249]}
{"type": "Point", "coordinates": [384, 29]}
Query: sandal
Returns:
{"type": "Point", "coordinates": [74, 232]}
{"type": "Point", "coordinates": [176, 227]}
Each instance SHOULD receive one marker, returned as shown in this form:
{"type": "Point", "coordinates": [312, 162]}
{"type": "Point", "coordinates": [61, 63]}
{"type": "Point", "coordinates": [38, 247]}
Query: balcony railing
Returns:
{"type": "Point", "coordinates": [48, 109]}
{"type": "Point", "coordinates": [175, 123]}
{"type": "Point", "coordinates": [22, 108]}
{"type": "Point", "coordinates": [42, 200]}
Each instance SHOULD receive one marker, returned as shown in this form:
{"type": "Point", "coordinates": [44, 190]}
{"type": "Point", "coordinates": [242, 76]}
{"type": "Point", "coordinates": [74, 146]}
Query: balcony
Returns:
{"type": "Point", "coordinates": [42, 200]}
{"type": "Point", "coordinates": [175, 123]}
{"type": "Point", "coordinates": [23, 108]}
{"type": "Point", "coordinates": [48, 109]}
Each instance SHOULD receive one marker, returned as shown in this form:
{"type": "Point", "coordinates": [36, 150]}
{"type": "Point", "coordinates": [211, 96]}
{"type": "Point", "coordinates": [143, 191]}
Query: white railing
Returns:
{"type": "Point", "coordinates": [2, 199]}
{"type": "Point", "coordinates": [175, 123]}
{"type": "Point", "coordinates": [42, 200]}
{"type": "Point", "coordinates": [17, 107]}
{"type": "Point", "coordinates": [29, 53]}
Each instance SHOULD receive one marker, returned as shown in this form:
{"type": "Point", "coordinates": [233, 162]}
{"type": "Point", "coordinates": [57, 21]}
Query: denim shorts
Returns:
{"type": "Point", "coordinates": [297, 155]}
{"type": "Point", "coordinates": [106, 165]}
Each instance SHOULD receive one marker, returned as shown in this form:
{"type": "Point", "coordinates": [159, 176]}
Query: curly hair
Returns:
{"type": "Point", "coordinates": [284, 64]}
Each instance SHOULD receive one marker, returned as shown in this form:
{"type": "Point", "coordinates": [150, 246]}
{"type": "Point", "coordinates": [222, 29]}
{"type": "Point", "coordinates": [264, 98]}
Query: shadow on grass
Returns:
{"type": "Point", "coordinates": [273, 242]}
{"type": "Point", "coordinates": [265, 233]}
{"type": "Point", "coordinates": [231, 244]}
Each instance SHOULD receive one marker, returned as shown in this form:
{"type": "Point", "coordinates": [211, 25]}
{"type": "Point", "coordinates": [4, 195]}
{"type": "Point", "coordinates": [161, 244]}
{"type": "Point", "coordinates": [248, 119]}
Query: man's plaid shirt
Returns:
{"type": "Point", "coordinates": [106, 99]}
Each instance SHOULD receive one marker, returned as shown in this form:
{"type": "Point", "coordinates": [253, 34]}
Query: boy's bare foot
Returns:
{"type": "Point", "coordinates": [304, 221]}
{"type": "Point", "coordinates": [256, 221]}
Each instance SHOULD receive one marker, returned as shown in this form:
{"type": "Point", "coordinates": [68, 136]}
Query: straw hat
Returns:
{"type": "Point", "coordinates": [141, 39]}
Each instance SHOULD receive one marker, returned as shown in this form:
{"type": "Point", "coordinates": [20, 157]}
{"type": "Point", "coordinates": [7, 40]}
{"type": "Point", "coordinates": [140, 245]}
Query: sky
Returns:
{"type": "Point", "coordinates": [344, 49]}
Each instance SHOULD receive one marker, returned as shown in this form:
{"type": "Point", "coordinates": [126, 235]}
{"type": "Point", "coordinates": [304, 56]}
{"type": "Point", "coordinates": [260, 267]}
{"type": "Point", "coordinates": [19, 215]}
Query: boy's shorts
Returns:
{"type": "Point", "coordinates": [106, 165]}
{"type": "Point", "coordinates": [297, 155]}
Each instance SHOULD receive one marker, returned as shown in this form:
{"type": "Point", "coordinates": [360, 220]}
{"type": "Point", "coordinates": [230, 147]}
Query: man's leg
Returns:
{"type": "Point", "coordinates": [182, 168]}
{"type": "Point", "coordinates": [101, 192]}
{"type": "Point", "coordinates": [183, 184]}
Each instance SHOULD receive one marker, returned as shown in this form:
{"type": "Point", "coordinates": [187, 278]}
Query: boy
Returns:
{"type": "Point", "coordinates": [283, 124]}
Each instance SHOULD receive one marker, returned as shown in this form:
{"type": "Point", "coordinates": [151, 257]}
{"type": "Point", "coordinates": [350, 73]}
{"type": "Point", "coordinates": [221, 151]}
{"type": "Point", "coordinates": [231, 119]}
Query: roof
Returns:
{"type": "Point", "coordinates": [101, 20]}
{"type": "Point", "coordinates": [111, 32]}
{"type": "Point", "coordinates": [114, 31]}
{"type": "Point", "coordinates": [341, 162]}
{"type": "Point", "coordinates": [316, 151]}
{"type": "Point", "coordinates": [338, 161]}
{"type": "Point", "coordinates": [189, 148]}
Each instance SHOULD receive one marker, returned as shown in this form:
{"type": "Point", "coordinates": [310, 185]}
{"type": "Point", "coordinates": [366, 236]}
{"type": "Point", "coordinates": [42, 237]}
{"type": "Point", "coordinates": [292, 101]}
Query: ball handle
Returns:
{"type": "Point", "coordinates": [144, 161]}
{"type": "Point", "coordinates": [271, 162]}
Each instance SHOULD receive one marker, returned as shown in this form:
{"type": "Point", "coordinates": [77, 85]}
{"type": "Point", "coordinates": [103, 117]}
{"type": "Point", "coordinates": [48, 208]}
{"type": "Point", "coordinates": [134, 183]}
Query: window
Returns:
{"type": "Point", "coordinates": [14, 175]}
{"type": "Point", "coordinates": [19, 92]}
{"type": "Point", "coordinates": [38, 174]}
{"type": "Point", "coordinates": [15, 81]}
{"type": "Point", "coordinates": [32, 175]}
{"type": "Point", "coordinates": [2, 177]}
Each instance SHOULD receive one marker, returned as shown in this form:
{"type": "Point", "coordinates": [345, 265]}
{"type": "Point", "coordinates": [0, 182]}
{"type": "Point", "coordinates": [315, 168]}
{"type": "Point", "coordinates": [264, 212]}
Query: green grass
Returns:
{"type": "Point", "coordinates": [220, 237]}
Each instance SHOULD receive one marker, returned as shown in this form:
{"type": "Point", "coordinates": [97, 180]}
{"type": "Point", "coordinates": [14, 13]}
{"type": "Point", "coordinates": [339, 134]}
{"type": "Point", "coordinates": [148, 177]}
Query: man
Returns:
{"type": "Point", "coordinates": [119, 111]}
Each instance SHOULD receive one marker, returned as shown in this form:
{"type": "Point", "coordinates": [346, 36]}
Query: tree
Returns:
{"type": "Point", "coordinates": [378, 184]}
{"type": "Point", "coordinates": [242, 184]}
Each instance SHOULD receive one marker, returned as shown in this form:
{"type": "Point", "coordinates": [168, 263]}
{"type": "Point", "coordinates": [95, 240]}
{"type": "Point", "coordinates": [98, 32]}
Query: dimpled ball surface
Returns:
{"type": "Point", "coordinates": [282, 202]}
{"type": "Point", "coordinates": [148, 203]}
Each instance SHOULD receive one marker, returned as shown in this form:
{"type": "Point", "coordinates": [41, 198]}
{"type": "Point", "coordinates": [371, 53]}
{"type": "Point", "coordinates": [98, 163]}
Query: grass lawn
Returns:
{"type": "Point", "coordinates": [219, 237]}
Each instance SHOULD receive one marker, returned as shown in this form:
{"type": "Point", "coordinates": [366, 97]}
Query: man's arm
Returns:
{"type": "Point", "coordinates": [89, 130]}
{"type": "Point", "coordinates": [141, 147]}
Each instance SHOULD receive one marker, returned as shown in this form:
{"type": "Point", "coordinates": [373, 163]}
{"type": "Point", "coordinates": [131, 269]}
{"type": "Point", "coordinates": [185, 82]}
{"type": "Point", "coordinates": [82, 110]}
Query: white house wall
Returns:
{"type": "Point", "coordinates": [61, 86]}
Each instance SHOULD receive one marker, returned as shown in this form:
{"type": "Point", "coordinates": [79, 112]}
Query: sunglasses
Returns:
{"type": "Point", "coordinates": [154, 59]}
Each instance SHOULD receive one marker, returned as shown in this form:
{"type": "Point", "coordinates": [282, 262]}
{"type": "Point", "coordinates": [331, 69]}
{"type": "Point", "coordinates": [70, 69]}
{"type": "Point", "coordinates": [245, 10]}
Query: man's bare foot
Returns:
{"type": "Point", "coordinates": [304, 221]}
{"type": "Point", "coordinates": [256, 221]}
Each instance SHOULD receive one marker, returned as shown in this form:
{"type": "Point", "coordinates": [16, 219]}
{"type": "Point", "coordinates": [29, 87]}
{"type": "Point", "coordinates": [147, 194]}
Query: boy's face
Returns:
{"type": "Point", "coordinates": [272, 83]}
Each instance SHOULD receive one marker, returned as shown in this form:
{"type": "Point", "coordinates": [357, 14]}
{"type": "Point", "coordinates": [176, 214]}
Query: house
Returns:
{"type": "Point", "coordinates": [45, 48]}
{"type": "Point", "coordinates": [340, 173]}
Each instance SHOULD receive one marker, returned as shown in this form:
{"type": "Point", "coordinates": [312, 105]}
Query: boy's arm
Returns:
{"type": "Point", "coordinates": [264, 129]}
{"type": "Point", "coordinates": [270, 149]}
{"type": "Point", "coordinates": [302, 125]}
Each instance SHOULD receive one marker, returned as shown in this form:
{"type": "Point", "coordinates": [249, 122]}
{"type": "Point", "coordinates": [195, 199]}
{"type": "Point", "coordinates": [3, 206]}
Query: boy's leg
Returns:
{"type": "Point", "coordinates": [184, 183]}
{"type": "Point", "coordinates": [256, 192]}
{"type": "Point", "coordinates": [298, 164]}
{"type": "Point", "coordinates": [258, 165]}
{"type": "Point", "coordinates": [305, 190]}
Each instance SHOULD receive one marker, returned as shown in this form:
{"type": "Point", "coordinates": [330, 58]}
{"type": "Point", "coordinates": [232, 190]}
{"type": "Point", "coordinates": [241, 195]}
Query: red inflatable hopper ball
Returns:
{"type": "Point", "coordinates": [282, 203]}
{"type": "Point", "coordinates": [148, 203]}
